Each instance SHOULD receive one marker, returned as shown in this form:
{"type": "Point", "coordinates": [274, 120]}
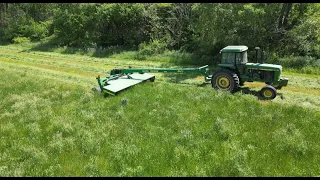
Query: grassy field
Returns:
{"type": "Point", "coordinates": [52, 124]}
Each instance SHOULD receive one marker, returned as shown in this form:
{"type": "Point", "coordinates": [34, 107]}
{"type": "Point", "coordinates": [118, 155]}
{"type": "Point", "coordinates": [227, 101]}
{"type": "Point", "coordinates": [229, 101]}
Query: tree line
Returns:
{"type": "Point", "coordinates": [281, 29]}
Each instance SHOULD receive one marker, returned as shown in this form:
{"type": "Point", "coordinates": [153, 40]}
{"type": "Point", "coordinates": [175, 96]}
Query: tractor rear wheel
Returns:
{"type": "Point", "coordinates": [225, 80]}
{"type": "Point", "coordinates": [268, 92]}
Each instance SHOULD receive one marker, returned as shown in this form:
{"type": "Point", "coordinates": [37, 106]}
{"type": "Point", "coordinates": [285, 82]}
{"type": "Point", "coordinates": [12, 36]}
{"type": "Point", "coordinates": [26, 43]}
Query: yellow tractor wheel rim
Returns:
{"type": "Point", "coordinates": [223, 82]}
{"type": "Point", "coordinates": [267, 93]}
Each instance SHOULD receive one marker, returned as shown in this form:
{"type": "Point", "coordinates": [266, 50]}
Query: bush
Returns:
{"type": "Point", "coordinates": [139, 56]}
{"type": "Point", "coordinates": [316, 63]}
{"type": "Point", "coordinates": [300, 61]}
{"type": "Point", "coordinates": [310, 70]}
{"type": "Point", "coordinates": [182, 58]}
{"type": "Point", "coordinates": [19, 40]}
{"type": "Point", "coordinates": [35, 31]}
{"type": "Point", "coordinates": [293, 62]}
{"type": "Point", "coordinates": [300, 64]}
{"type": "Point", "coordinates": [185, 58]}
{"type": "Point", "coordinates": [205, 59]}
{"type": "Point", "coordinates": [152, 48]}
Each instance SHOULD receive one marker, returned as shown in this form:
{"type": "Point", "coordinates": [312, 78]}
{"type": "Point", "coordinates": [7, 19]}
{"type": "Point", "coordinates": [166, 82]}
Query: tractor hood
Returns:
{"type": "Point", "coordinates": [267, 67]}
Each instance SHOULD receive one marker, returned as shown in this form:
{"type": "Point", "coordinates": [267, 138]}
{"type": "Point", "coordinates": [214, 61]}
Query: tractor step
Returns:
{"type": "Point", "coordinates": [126, 81]}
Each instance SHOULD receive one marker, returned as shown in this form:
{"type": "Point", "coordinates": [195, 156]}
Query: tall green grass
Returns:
{"type": "Point", "coordinates": [53, 125]}
{"type": "Point", "coordinates": [299, 64]}
{"type": "Point", "coordinates": [50, 127]}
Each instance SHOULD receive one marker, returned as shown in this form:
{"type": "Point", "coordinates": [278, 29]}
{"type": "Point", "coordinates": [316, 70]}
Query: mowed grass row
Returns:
{"type": "Point", "coordinates": [76, 64]}
{"type": "Point", "coordinates": [22, 51]}
{"type": "Point", "coordinates": [53, 128]}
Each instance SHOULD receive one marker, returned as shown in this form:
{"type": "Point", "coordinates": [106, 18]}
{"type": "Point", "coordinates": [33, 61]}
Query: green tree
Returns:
{"type": "Point", "coordinates": [73, 24]}
{"type": "Point", "coordinates": [304, 38]}
{"type": "Point", "coordinates": [120, 24]}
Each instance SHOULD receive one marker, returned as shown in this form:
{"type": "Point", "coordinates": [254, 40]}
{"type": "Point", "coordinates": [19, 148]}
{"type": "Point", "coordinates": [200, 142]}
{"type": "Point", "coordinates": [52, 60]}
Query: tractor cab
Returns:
{"type": "Point", "coordinates": [234, 57]}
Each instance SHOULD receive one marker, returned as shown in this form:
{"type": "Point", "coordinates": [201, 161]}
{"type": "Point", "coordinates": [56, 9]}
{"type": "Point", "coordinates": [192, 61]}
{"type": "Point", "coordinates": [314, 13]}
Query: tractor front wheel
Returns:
{"type": "Point", "coordinates": [225, 80]}
{"type": "Point", "coordinates": [278, 87]}
{"type": "Point", "coordinates": [271, 84]}
{"type": "Point", "coordinates": [268, 92]}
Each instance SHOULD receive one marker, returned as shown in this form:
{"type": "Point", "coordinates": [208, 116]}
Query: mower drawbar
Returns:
{"type": "Point", "coordinates": [121, 79]}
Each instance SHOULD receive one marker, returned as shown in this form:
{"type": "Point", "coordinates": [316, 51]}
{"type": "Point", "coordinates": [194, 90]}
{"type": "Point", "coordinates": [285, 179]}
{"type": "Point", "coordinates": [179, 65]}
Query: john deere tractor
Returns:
{"type": "Point", "coordinates": [235, 70]}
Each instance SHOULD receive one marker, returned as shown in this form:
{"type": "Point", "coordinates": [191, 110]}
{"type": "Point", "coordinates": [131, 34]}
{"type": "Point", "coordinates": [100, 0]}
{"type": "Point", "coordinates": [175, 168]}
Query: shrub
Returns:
{"type": "Point", "coordinates": [139, 56]}
{"type": "Point", "coordinates": [152, 48]}
{"type": "Point", "coordinates": [293, 62]}
{"type": "Point", "coordinates": [310, 70]}
{"type": "Point", "coordinates": [181, 58]}
{"type": "Point", "coordinates": [19, 40]}
{"type": "Point", "coordinates": [35, 31]}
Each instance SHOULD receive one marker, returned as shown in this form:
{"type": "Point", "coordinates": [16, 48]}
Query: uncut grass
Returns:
{"type": "Point", "coordinates": [130, 169]}
{"type": "Point", "coordinates": [155, 129]}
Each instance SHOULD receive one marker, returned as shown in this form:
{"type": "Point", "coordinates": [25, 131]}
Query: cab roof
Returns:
{"type": "Point", "coordinates": [234, 49]}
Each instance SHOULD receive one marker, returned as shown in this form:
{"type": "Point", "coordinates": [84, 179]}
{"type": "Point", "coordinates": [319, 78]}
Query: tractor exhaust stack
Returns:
{"type": "Point", "coordinates": [257, 49]}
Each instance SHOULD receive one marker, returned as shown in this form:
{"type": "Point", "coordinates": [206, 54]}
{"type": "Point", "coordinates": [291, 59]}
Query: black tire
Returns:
{"type": "Point", "coordinates": [278, 87]}
{"type": "Point", "coordinates": [225, 80]}
{"type": "Point", "coordinates": [268, 92]}
{"type": "Point", "coordinates": [271, 84]}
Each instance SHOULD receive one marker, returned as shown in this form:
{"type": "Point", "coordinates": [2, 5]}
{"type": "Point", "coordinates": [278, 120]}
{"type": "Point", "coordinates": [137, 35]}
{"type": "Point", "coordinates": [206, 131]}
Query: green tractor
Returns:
{"type": "Point", "coordinates": [235, 70]}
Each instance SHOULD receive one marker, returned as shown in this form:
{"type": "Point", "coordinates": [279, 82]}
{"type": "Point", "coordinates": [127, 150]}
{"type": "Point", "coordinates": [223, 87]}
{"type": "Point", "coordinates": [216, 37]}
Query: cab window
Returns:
{"type": "Point", "coordinates": [228, 58]}
{"type": "Point", "coordinates": [244, 57]}
{"type": "Point", "coordinates": [241, 58]}
{"type": "Point", "coordinates": [238, 58]}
